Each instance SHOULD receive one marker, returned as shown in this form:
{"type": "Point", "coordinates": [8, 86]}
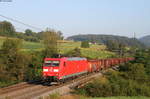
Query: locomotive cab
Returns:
{"type": "Point", "coordinates": [51, 68]}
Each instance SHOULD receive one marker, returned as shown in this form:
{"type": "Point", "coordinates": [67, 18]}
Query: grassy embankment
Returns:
{"type": "Point", "coordinates": [54, 96]}
{"type": "Point", "coordinates": [123, 98]}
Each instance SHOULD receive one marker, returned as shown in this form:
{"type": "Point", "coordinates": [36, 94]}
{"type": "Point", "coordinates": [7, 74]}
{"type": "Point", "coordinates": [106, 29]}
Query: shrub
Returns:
{"type": "Point", "coordinates": [85, 44]}
{"type": "Point", "coordinates": [54, 96]}
{"type": "Point", "coordinates": [115, 85]}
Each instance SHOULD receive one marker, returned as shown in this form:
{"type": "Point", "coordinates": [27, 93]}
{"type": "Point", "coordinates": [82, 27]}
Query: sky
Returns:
{"type": "Point", "coordinates": [73, 17]}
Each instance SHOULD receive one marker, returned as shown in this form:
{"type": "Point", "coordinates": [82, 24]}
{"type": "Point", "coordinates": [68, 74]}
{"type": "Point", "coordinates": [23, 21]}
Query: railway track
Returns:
{"type": "Point", "coordinates": [14, 88]}
{"type": "Point", "coordinates": [34, 90]}
{"type": "Point", "coordinates": [11, 90]}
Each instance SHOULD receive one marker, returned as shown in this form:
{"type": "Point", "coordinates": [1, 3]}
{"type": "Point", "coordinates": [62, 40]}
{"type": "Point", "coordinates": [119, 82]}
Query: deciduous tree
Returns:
{"type": "Point", "coordinates": [6, 29]}
{"type": "Point", "coordinates": [50, 38]}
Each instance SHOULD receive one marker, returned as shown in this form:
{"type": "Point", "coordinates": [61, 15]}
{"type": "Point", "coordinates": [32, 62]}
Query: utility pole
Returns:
{"type": "Point", "coordinates": [134, 40]}
{"type": "Point", "coordinates": [134, 35]}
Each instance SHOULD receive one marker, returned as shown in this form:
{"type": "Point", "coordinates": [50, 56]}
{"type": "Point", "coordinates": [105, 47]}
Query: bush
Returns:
{"type": "Point", "coordinates": [85, 44]}
{"type": "Point", "coordinates": [54, 96]}
{"type": "Point", "coordinates": [115, 85]}
{"type": "Point", "coordinates": [134, 71]}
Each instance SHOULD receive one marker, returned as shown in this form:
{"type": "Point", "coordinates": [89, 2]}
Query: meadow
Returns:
{"type": "Point", "coordinates": [96, 51]}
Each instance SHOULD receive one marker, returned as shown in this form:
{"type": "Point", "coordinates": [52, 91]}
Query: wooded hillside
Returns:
{"type": "Point", "coordinates": [145, 40]}
{"type": "Point", "coordinates": [104, 39]}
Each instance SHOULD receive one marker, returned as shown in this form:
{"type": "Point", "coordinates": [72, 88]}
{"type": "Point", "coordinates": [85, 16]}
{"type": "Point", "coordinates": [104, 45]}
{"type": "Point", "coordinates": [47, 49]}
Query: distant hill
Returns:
{"type": "Point", "coordinates": [145, 40]}
{"type": "Point", "coordinates": [104, 38]}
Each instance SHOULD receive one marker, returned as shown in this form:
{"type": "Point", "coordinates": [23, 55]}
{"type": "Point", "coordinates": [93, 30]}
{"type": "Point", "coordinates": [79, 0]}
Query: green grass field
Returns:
{"type": "Point", "coordinates": [115, 97]}
{"type": "Point", "coordinates": [140, 97]}
{"type": "Point", "coordinates": [95, 51]}
{"type": "Point", "coordinates": [84, 97]}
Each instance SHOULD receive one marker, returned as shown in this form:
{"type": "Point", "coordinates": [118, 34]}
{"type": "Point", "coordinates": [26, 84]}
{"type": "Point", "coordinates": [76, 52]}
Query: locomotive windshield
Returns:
{"type": "Point", "coordinates": [51, 63]}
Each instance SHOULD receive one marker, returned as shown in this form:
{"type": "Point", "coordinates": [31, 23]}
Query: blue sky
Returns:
{"type": "Point", "coordinates": [118, 17]}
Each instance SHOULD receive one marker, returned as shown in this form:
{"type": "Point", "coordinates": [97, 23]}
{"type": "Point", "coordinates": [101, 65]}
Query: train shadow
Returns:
{"type": "Point", "coordinates": [39, 82]}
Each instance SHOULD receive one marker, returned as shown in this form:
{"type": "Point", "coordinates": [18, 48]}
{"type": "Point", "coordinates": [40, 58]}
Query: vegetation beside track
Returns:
{"type": "Point", "coordinates": [57, 96]}
{"type": "Point", "coordinates": [121, 97]}
{"type": "Point", "coordinates": [132, 79]}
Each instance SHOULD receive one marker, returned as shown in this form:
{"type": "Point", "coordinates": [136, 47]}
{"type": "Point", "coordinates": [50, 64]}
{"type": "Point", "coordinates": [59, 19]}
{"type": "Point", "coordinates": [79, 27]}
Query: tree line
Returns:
{"type": "Point", "coordinates": [8, 30]}
{"type": "Point", "coordinates": [106, 39]}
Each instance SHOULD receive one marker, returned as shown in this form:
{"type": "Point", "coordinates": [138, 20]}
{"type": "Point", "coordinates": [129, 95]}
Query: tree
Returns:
{"type": "Point", "coordinates": [28, 32]}
{"type": "Point", "coordinates": [143, 56]}
{"type": "Point", "coordinates": [60, 35]}
{"type": "Point", "coordinates": [13, 63]}
{"type": "Point", "coordinates": [121, 49]}
{"type": "Point", "coordinates": [112, 45]}
{"type": "Point", "coordinates": [85, 44]}
{"type": "Point", "coordinates": [6, 29]}
{"type": "Point", "coordinates": [50, 38]}
{"type": "Point", "coordinates": [137, 72]}
{"type": "Point", "coordinates": [34, 67]}
{"type": "Point", "coordinates": [134, 71]}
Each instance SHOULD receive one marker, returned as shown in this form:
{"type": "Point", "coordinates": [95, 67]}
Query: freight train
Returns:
{"type": "Point", "coordinates": [60, 69]}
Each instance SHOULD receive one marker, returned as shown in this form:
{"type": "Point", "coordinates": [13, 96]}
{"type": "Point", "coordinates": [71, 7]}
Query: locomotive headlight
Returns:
{"type": "Point", "coordinates": [45, 70]}
{"type": "Point", "coordinates": [56, 70]}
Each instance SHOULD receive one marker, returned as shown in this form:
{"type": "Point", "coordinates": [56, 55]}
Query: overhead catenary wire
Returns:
{"type": "Point", "coordinates": [17, 21]}
{"type": "Point", "coordinates": [18, 28]}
